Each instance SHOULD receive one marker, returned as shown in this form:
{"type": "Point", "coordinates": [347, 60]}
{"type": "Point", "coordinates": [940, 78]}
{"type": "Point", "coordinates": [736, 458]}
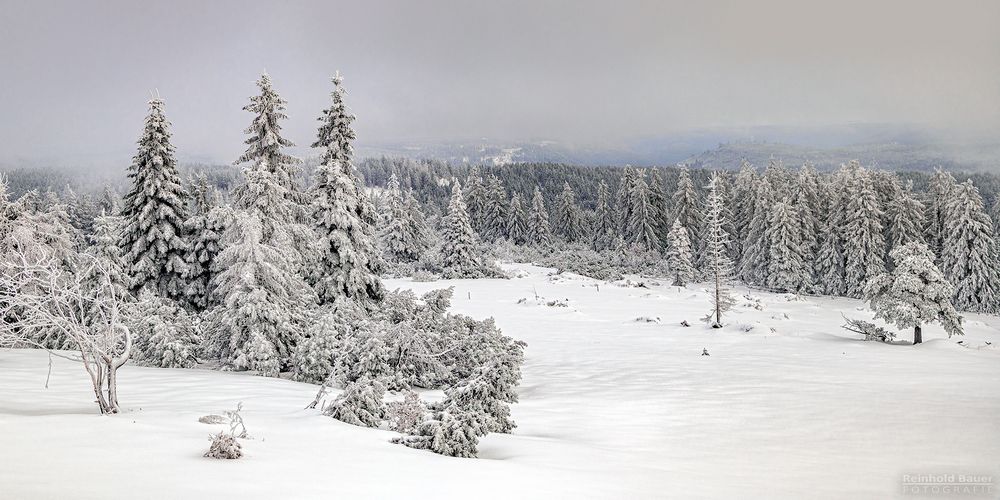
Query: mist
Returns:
{"type": "Point", "coordinates": [77, 75]}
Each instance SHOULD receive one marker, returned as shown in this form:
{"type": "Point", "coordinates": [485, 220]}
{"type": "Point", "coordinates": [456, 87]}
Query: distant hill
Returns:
{"type": "Point", "coordinates": [889, 156]}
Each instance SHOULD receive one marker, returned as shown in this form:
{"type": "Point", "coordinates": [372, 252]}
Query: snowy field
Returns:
{"type": "Point", "coordinates": [611, 407]}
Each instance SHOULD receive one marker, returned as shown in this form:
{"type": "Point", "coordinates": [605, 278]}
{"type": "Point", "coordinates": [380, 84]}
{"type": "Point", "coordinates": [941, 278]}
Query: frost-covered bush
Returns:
{"type": "Point", "coordinates": [409, 341]}
{"type": "Point", "coordinates": [165, 335]}
{"type": "Point", "coordinates": [404, 416]}
{"type": "Point", "coordinates": [224, 446]}
{"type": "Point", "coordinates": [314, 358]}
{"type": "Point", "coordinates": [423, 276]}
{"type": "Point", "coordinates": [360, 404]}
{"type": "Point", "coordinates": [488, 394]}
{"type": "Point", "coordinates": [451, 431]}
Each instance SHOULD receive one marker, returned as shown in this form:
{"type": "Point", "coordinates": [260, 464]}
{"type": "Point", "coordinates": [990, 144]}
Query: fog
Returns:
{"type": "Point", "coordinates": [76, 75]}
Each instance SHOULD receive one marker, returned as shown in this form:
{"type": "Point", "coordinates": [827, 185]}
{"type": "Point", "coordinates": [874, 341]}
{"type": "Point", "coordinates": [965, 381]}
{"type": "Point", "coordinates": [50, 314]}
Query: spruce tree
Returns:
{"type": "Point", "coordinates": [906, 218]}
{"type": "Point", "coordinates": [539, 233]}
{"type": "Point", "coordinates": [756, 250]}
{"type": "Point", "coordinates": [343, 215]}
{"type": "Point", "coordinates": [569, 219]}
{"type": "Point", "coordinates": [265, 144]}
{"type": "Point", "coordinates": [864, 241]}
{"type": "Point", "coordinates": [403, 238]}
{"type": "Point", "coordinates": [623, 201]}
{"type": "Point", "coordinates": [152, 240]}
{"type": "Point", "coordinates": [786, 271]}
{"type": "Point", "coordinates": [641, 224]}
{"type": "Point", "coordinates": [914, 293]}
{"type": "Point", "coordinates": [807, 204]}
{"type": "Point", "coordinates": [204, 228]}
{"type": "Point", "coordinates": [606, 228]}
{"type": "Point", "coordinates": [830, 264]}
{"type": "Point", "coordinates": [718, 266]}
{"type": "Point", "coordinates": [687, 206]}
{"type": "Point", "coordinates": [679, 255]}
{"type": "Point", "coordinates": [517, 221]}
{"type": "Point", "coordinates": [263, 303]}
{"type": "Point", "coordinates": [658, 200]}
{"type": "Point", "coordinates": [970, 252]}
{"type": "Point", "coordinates": [475, 196]}
{"type": "Point", "coordinates": [494, 211]}
{"type": "Point", "coordinates": [744, 196]}
{"type": "Point", "coordinates": [940, 191]}
{"type": "Point", "coordinates": [459, 245]}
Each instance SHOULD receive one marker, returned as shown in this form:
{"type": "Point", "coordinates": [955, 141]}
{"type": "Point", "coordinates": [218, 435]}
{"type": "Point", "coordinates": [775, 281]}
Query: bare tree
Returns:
{"type": "Point", "coordinates": [90, 307]}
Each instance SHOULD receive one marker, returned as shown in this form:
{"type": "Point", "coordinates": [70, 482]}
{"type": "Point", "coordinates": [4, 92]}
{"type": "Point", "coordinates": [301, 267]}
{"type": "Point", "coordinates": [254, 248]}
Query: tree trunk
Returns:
{"type": "Point", "coordinates": [917, 335]}
{"type": "Point", "coordinates": [112, 388]}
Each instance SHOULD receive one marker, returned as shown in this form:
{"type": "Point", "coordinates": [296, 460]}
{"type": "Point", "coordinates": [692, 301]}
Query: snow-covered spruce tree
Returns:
{"type": "Point", "coordinates": [204, 228]}
{"type": "Point", "coordinates": [460, 256]}
{"type": "Point", "coordinates": [756, 247]}
{"type": "Point", "coordinates": [152, 241]}
{"type": "Point", "coordinates": [995, 215]}
{"type": "Point", "coordinates": [539, 233]}
{"type": "Point", "coordinates": [807, 203]}
{"type": "Point", "coordinates": [679, 255]}
{"type": "Point", "coordinates": [165, 334]}
{"type": "Point", "coordinates": [568, 217]}
{"type": "Point", "coordinates": [970, 252]}
{"type": "Point", "coordinates": [517, 221]}
{"type": "Point", "coordinates": [658, 200]}
{"type": "Point", "coordinates": [906, 218]}
{"type": "Point", "coordinates": [402, 238]}
{"type": "Point", "coordinates": [265, 144]}
{"type": "Point", "coordinates": [360, 404]}
{"type": "Point", "coordinates": [940, 191]}
{"type": "Point", "coordinates": [262, 303]}
{"type": "Point", "coordinates": [343, 215]}
{"type": "Point", "coordinates": [451, 431]}
{"type": "Point", "coordinates": [718, 266]}
{"type": "Point", "coordinates": [641, 224]}
{"type": "Point", "coordinates": [914, 293]}
{"type": "Point", "coordinates": [475, 198]}
{"type": "Point", "coordinates": [744, 196]}
{"type": "Point", "coordinates": [623, 201]}
{"type": "Point", "coordinates": [495, 211]}
{"type": "Point", "coordinates": [786, 270]}
{"type": "Point", "coordinates": [489, 393]}
{"type": "Point", "coordinates": [830, 264]}
{"type": "Point", "coordinates": [687, 207]}
{"type": "Point", "coordinates": [606, 229]}
{"type": "Point", "coordinates": [864, 241]}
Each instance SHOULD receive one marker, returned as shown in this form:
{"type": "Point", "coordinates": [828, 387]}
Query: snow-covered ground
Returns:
{"type": "Point", "coordinates": [611, 407]}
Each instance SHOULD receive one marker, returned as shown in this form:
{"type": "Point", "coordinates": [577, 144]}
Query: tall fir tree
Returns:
{"type": "Point", "coordinates": [494, 216]}
{"type": "Point", "coordinates": [679, 255]}
{"type": "Point", "coordinates": [914, 293]}
{"type": "Point", "coordinates": [568, 217]}
{"type": "Point", "coordinates": [475, 196]}
{"type": "Point", "coordinates": [606, 229]}
{"type": "Point", "coordinates": [265, 146]}
{"type": "Point", "coordinates": [402, 238]}
{"type": "Point", "coordinates": [687, 206]}
{"type": "Point", "coordinates": [786, 271]}
{"type": "Point", "coordinates": [263, 303]}
{"type": "Point", "coordinates": [756, 247]}
{"type": "Point", "coordinates": [343, 215]}
{"type": "Point", "coordinates": [641, 224]}
{"type": "Point", "coordinates": [204, 228]}
{"type": "Point", "coordinates": [517, 221]}
{"type": "Point", "coordinates": [623, 200]}
{"type": "Point", "coordinates": [658, 200]}
{"type": "Point", "coordinates": [864, 241]}
{"type": "Point", "coordinates": [744, 196]}
{"type": "Point", "coordinates": [940, 190]}
{"type": "Point", "coordinates": [539, 233]}
{"type": "Point", "coordinates": [906, 218]}
{"type": "Point", "coordinates": [970, 251]}
{"type": "Point", "coordinates": [152, 240]}
{"type": "Point", "coordinates": [718, 267]}
{"type": "Point", "coordinates": [459, 244]}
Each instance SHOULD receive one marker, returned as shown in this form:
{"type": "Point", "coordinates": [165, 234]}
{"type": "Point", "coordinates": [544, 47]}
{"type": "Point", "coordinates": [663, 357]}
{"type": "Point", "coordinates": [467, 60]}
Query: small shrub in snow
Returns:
{"type": "Point", "coordinates": [404, 416]}
{"type": "Point", "coordinates": [212, 419]}
{"type": "Point", "coordinates": [451, 431]}
{"type": "Point", "coordinates": [646, 319]}
{"type": "Point", "coordinates": [871, 331]}
{"type": "Point", "coordinates": [360, 404]}
{"type": "Point", "coordinates": [224, 446]}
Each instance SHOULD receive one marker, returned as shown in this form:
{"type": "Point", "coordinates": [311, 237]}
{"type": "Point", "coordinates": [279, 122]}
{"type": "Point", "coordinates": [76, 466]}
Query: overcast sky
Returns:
{"type": "Point", "coordinates": [75, 75]}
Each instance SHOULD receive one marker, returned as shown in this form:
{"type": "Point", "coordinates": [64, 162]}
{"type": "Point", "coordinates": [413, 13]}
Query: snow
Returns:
{"type": "Point", "coordinates": [610, 408]}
